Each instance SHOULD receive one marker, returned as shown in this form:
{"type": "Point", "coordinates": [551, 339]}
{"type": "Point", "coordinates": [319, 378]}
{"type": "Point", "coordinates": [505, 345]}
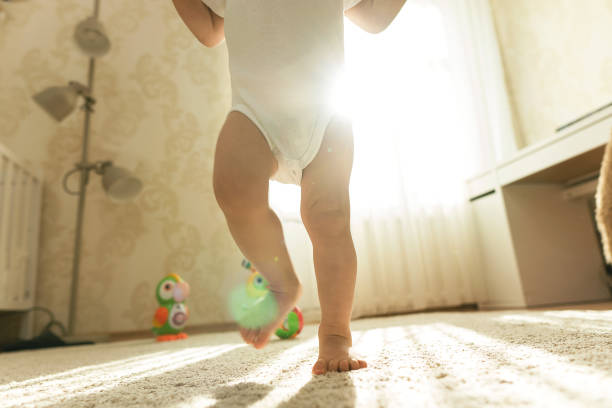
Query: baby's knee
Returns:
{"type": "Point", "coordinates": [237, 199]}
{"type": "Point", "coordinates": [327, 217]}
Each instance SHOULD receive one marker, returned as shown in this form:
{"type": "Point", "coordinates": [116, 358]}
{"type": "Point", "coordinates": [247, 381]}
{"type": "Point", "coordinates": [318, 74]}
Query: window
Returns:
{"type": "Point", "coordinates": [408, 123]}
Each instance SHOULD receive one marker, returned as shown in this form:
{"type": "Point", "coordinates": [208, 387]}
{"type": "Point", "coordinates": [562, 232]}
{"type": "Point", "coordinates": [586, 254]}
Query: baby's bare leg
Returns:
{"type": "Point", "coordinates": [243, 166]}
{"type": "Point", "coordinates": [325, 211]}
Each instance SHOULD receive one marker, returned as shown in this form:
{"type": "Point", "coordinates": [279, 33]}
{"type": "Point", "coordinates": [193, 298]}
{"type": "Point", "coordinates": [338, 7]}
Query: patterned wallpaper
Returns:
{"type": "Point", "coordinates": [162, 98]}
{"type": "Point", "coordinates": [558, 60]}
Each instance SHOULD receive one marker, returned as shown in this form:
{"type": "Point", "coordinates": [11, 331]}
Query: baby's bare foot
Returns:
{"type": "Point", "coordinates": [334, 353]}
{"type": "Point", "coordinates": [286, 298]}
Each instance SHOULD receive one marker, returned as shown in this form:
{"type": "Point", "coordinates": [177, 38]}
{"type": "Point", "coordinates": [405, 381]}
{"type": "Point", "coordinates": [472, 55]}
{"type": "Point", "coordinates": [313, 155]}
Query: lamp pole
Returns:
{"type": "Point", "coordinates": [83, 180]}
{"type": "Point", "coordinates": [118, 183]}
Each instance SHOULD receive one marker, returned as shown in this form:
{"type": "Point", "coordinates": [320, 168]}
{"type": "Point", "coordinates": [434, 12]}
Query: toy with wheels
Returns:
{"type": "Point", "coordinates": [172, 314]}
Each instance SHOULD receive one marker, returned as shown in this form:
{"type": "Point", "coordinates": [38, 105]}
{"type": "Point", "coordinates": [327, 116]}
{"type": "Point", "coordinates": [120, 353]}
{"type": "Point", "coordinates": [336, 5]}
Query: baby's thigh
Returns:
{"type": "Point", "coordinates": [325, 181]}
{"type": "Point", "coordinates": [331, 168]}
{"type": "Point", "coordinates": [244, 162]}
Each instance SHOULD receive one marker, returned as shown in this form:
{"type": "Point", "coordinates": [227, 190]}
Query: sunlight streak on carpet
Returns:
{"type": "Point", "coordinates": [562, 323]}
{"type": "Point", "coordinates": [80, 371]}
{"type": "Point", "coordinates": [106, 377]}
{"type": "Point", "coordinates": [551, 378]}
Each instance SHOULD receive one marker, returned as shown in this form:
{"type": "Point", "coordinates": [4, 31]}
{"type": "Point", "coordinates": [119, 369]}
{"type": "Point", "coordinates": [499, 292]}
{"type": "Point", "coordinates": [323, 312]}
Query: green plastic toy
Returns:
{"type": "Point", "coordinates": [292, 326]}
{"type": "Point", "coordinates": [254, 306]}
{"type": "Point", "coordinates": [172, 314]}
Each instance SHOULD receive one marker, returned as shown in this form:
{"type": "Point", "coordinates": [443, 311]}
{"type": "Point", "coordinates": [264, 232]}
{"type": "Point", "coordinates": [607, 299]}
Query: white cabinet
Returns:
{"type": "Point", "coordinates": [500, 270]}
{"type": "Point", "coordinates": [539, 245]}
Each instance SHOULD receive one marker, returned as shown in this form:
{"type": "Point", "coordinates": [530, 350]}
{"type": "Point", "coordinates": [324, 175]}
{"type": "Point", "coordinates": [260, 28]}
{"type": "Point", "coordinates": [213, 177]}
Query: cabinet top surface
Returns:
{"type": "Point", "coordinates": [585, 136]}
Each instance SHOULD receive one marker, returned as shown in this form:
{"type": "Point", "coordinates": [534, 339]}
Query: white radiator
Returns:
{"type": "Point", "coordinates": [20, 206]}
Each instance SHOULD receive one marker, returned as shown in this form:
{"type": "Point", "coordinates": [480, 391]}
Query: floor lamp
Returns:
{"type": "Point", "coordinates": [59, 101]}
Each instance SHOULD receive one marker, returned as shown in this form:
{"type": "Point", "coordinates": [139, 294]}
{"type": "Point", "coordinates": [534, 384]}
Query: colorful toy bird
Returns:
{"type": "Point", "coordinates": [254, 306]}
{"type": "Point", "coordinates": [172, 313]}
{"type": "Point", "coordinates": [257, 285]}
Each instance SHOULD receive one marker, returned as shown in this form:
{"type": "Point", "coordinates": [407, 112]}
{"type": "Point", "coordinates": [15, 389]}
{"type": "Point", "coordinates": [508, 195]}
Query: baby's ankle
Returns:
{"type": "Point", "coordinates": [334, 341]}
{"type": "Point", "coordinates": [291, 287]}
{"type": "Point", "coordinates": [334, 329]}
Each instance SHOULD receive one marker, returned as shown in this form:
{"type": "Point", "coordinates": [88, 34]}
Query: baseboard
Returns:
{"type": "Point", "coordinates": [501, 306]}
{"type": "Point", "coordinates": [459, 308]}
{"type": "Point", "coordinates": [603, 304]}
{"type": "Point", "coordinates": [193, 330]}
{"type": "Point", "coordinates": [600, 304]}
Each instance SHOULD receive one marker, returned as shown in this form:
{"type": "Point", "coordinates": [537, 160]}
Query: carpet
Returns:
{"type": "Point", "coordinates": [453, 359]}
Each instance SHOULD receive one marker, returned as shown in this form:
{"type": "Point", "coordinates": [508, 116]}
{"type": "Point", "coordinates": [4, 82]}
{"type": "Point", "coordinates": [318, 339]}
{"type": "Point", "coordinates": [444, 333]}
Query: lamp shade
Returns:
{"type": "Point", "coordinates": [120, 184]}
{"type": "Point", "coordinates": [57, 101]}
{"type": "Point", "coordinates": [91, 37]}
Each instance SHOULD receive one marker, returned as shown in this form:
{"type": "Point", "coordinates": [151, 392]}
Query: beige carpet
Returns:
{"type": "Point", "coordinates": [462, 359]}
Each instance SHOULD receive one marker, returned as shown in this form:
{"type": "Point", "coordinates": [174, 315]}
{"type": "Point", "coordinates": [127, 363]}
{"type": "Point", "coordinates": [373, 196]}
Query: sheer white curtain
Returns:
{"type": "Point", "coordinates": [429, 109]}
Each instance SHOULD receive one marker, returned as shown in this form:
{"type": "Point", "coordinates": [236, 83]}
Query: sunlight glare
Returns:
{"type": "Point", "coordinates": [409, 128]}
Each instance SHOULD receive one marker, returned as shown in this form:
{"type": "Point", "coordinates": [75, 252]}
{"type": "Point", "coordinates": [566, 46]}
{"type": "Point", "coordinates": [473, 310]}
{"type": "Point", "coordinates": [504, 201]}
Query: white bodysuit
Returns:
{"type": "Point", "coordinates": [284, 59]}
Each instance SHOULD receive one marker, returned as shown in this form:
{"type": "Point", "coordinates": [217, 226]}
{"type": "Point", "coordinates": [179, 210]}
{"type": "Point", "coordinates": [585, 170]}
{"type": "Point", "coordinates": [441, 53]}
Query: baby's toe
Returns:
{"type": "Point", "coordinates": [362, 364]}
{"type": "Point", "coordinates": [344, 365]}
{"type": "Point", "coordinates": [354, 364]}
{"type": "Point", "coordinates": [320, 367]}
{"type": "Point", "coordinates": [333, 365]}
{"type": "Point", "coordinates": [256, 337]}
{"type": "Point", "coordinates": [252, 335]}
{"type": "Point", "coordinates": [260, 340]}
{"type": "Point", "coordinates": [244, 333]}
